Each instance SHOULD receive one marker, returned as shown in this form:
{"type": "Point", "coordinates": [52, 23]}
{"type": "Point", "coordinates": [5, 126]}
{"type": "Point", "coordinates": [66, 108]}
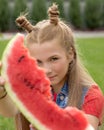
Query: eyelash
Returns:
{"type": "Point", "coordinates": [39, 62]}
{"type": "Point", "coordinates": [54, 59]}
{"type": "Point", "coordinates": [51, 60]}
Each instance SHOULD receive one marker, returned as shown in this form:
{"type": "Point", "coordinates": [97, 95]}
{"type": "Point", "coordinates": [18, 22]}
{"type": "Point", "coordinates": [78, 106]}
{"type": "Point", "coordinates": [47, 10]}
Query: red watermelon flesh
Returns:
{"type": "Point", "coordinates": [30, 90]}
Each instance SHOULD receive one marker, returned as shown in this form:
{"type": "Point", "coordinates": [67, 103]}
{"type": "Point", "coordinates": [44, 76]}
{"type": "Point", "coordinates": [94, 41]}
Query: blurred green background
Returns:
{"type": "Point", "coordinates": [81, 14]}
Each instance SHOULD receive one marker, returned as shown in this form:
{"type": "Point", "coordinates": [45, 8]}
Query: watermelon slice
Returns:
{"type": "Point", "coordinates": [30, 90]}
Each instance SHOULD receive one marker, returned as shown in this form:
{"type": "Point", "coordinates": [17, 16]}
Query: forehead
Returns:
{"type": "Point", "coordinates": [46, 49]}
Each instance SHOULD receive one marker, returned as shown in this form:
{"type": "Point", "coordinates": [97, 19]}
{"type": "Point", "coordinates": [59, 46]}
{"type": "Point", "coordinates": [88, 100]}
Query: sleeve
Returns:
{"type": "Point", "coordinates": [94, 103]}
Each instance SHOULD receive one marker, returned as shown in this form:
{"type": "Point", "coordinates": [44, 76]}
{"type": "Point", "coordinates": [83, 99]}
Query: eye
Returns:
{"type": "Point", "coordinates": [39, 62]}
{"type": "Point", "coordinates": [54, 59]}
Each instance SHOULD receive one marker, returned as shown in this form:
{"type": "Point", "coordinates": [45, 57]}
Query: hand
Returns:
{"type": "Point", "coordinates": [32, 128]}
{"type": "Point", "coordinates": [7, 107]}
{"type": "Point", "coordinates": [2, 89]}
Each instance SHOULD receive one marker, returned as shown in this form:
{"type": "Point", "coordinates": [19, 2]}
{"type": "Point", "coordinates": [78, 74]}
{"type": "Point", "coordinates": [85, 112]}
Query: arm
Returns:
{"type": "Point", "coordinates": [32, 128]}
{"type": "Point", "coordinates": [7, 107]}
{"type": "Point", "coordinates": [93, 120]}
{"type": "Point", "coordinates": [93, 106]}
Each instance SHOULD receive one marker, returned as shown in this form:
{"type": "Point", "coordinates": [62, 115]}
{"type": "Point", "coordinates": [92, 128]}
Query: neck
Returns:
{"type": "Point", "coordinates": [57, 88]}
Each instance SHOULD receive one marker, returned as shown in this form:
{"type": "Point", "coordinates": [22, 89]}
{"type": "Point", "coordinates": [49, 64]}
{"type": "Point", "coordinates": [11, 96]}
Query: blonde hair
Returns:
{"type": "Point", "coordinates": [55, 28]}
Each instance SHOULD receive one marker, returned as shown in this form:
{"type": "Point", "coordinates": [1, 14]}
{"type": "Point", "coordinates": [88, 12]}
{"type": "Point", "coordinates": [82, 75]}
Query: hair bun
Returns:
{"type": "Point", "coordinates": [24, 23]}
{"type": "Point", "coordinates": [53, 14]}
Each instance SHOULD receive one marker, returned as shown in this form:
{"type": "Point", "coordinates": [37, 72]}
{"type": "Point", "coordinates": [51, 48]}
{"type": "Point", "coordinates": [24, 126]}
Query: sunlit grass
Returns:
{"type": "Point", "coordinates": [92, 52]}
{"type": "Point", "coordinates": [6, 123]}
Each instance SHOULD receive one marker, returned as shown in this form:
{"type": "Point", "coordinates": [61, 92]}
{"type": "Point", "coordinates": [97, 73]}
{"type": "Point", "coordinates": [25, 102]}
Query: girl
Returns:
{"type": "Point", "coordinates": [51, 43]}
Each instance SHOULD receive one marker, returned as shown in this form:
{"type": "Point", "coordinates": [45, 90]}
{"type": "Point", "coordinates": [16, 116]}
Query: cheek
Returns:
{"type": "Point", "coordinates": [61, 67]}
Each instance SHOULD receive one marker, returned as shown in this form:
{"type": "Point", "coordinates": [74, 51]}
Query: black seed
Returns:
{"type": "Point", "coordinates": [25, 80]}
{"type": "Point", "coordinates": [21, 58]}
{"type": "Point", "coordinates": [31, 86]}
{"type": "Point", "coordinates": [28, 83]}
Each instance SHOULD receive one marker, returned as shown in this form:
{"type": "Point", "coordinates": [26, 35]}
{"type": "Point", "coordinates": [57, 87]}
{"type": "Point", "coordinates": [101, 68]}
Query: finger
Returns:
{"type": "Point", "coordinates": [32, 128]}
{"type": "Point", "coordinates": [0, 67]}
{"type": "Point", "coordinates": [0, 64]}
{"type": "Point", "coordinates": [2, 81]}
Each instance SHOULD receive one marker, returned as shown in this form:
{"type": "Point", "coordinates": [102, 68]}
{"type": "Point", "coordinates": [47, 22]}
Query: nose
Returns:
{"type": "Point", "coordinates": [47, 68]}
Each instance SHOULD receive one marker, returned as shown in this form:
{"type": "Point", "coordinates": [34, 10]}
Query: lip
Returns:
{"type": "Point", "coordinates": [51, 77]}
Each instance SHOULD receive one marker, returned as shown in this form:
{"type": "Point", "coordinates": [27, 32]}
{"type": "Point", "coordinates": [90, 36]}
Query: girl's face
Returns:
{"type": "Point", "coordinates": [52, 57]}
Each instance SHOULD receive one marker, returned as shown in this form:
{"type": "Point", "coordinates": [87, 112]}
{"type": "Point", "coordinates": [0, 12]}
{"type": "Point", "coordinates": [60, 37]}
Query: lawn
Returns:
{"type": "Point", "coordinates": [92, 54]}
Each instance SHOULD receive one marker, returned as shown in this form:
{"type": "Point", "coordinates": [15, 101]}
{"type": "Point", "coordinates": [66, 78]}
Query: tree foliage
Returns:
{"type": "Point", "coordinates": [75, 13]}
{"type": "Point", "coordinates": [93, 13]}
{"type": "Point", "coordinates": [82, 14]}
{"type": "Point", "coordinates": [102, 14]}
{"type": "Point", "coordinates": [4, 15]}
{"type": "Point", "coordinates": [20, 6]}
{"type": "Point", "coordinates": [39, 10]}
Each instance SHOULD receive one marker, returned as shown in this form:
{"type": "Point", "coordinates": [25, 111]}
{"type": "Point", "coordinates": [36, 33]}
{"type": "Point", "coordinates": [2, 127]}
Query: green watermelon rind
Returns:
{"type": "Point", "coordinates": [10, 92]}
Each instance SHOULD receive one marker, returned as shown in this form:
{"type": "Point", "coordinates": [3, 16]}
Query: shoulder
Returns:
{"type": "Point", "coordinates": [96, 89]}
{"type": "Point", "coordinates": [94, 93]}
{"type": "Point", "coordinates": [94, 102]}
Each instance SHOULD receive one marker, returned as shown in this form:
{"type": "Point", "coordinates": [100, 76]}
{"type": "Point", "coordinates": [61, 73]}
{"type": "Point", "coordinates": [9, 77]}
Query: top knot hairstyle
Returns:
{"type": "Point", "coordinates": [24, 23]}
{"type": "Point", "coordinates": [53, 14]}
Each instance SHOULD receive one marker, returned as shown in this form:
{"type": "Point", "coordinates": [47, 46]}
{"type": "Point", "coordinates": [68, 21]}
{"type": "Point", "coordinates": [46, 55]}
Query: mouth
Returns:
{"type": "Point", "coordinates": [51, 77]}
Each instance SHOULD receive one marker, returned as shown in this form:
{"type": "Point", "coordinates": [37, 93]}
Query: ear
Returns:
{"type": "Point", "coordinates": [71, 54]}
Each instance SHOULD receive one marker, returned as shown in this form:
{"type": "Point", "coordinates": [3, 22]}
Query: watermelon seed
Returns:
{"type": "Point", "coordinates": [25, 80]}
{"type": "Point", "coordinates": [31, 86]}
{"type": "Point", "coordinates": [28, 83]}
{"type": "Point", "coordinates": [21, 58]}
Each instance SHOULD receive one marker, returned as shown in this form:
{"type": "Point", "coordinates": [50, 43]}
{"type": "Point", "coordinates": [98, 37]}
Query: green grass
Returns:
{"type": "Point", "coordinates": [92, 53]}
{"type": "Point", "coordinates": [5, 123]}
{"type": "Point", "coordinates": [2, 46]}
